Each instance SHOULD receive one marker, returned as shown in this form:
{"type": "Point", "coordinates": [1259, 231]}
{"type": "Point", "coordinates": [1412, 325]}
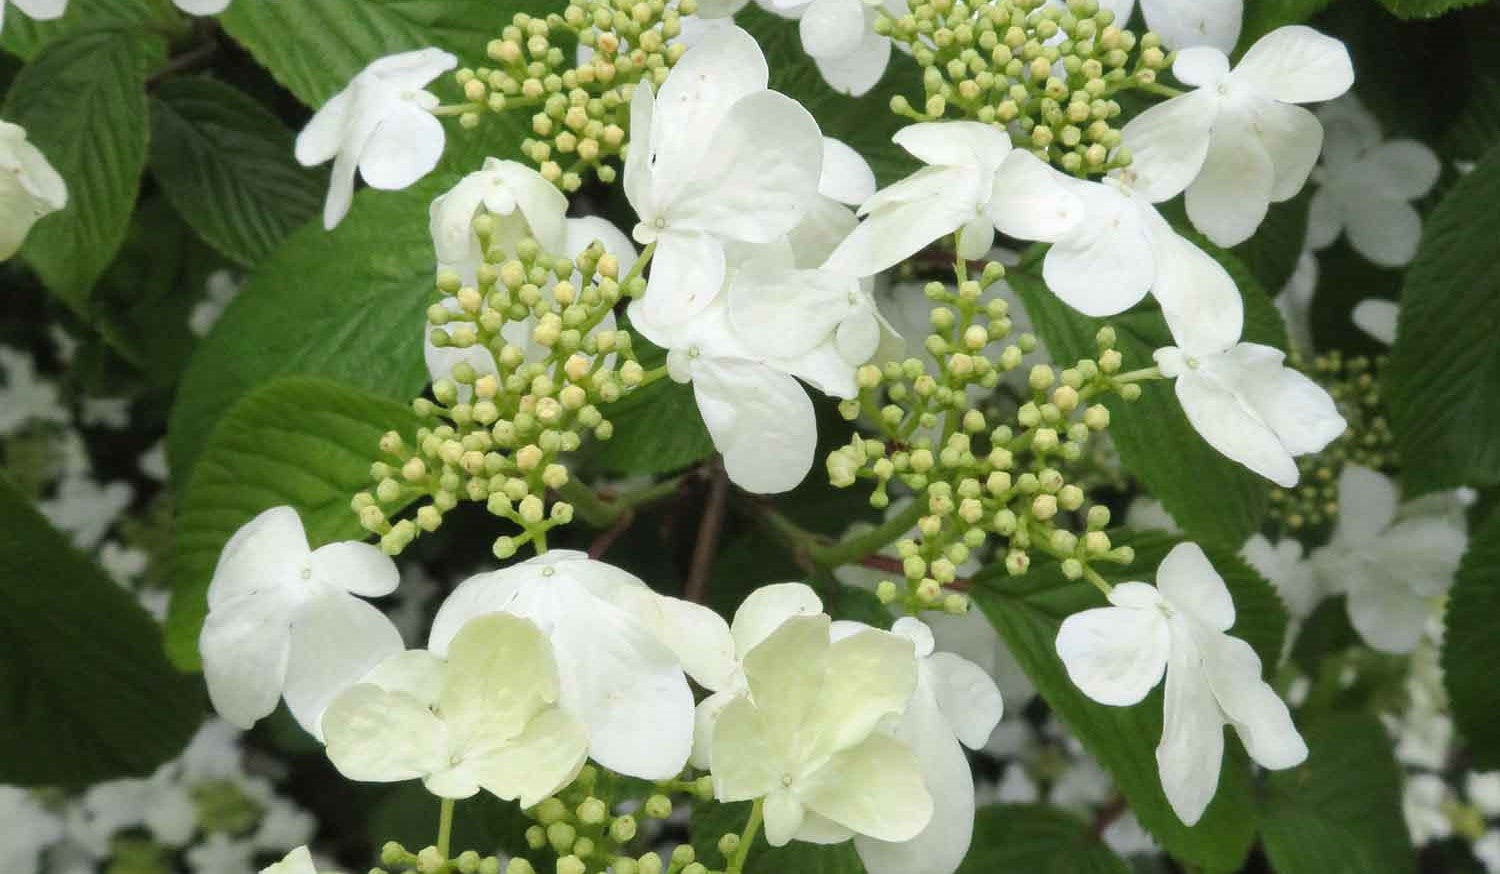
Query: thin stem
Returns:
{"type": "Point", "coordinates": [445, 827]}
{"type": "Point", "coordinates": [456, 109]}
{"type": "Point", "coordinates": [1099, 582]}
{"type": "Point", "coordinates": [747, 837]}
{"type": "Point", "coordinates": [709, 528]}
{"type": "Point", "coordinates": [639, 266]}
{"type": "Point", "coordinates": [600, 512]}
{"type": "Point", "coordinates": [539, 538]}
{"type": "Point", "coordinates": [852, 549]}
{"type": "Point", "coordinates": [1158, 89]}
{"type": "Point", "coordinates": [1141, 375]}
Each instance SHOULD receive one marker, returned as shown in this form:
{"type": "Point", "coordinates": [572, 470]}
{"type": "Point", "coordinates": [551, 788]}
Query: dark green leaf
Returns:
{"type": "Point", "coordinates": [1340, 811]}
{"type": "Point", "coordinates": [1221, 502]}
{"type": "Point", "coordinates": [713, 821]}
{"type": "Point", "coordinates": [409, 815]}
{"type": "Point", "coordinates": [226, 163]}
{"type": "Point", "coordinates": [295, 441]}
{"type": "Point", "coordinates": [1271, 255]}
{"type": "Point", "coordinates": [1426, 8]}
{"type": "Point", "coordinates": [1445, 368]}
{"type": "Point", "coordinates": [1028, 610]}
{"type": "Point", "coordinates": [657, 430]}
{"type": "Point", "coordinates": [1264, 16]}
{"type": "Point", "coordinates": [314, 47]}
{"type": "Point", "coordinates": [865, 123]}
{"type": "Point", "coordinates": [83, 103]}
{"type": "Point", "coordinates": [86, 692]}
{"type": "Point", "coordinates": [1471, 648]}
{"type": "Point", "coordinates": [1036, 839]}
{"type": "Point", "coordinates": [26, 37]}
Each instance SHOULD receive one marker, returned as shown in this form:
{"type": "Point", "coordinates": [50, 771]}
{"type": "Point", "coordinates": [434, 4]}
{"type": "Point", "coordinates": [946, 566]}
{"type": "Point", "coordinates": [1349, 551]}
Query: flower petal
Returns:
{"type": "Point", "coordinates": [501, 673]}
{"type": "Point", "coordinates": [405, 147]}
{"type": "Point", "coordinates": [1187, 579]}
{"type": "Point", "coordinates": [1191, 751]}
{"type": "Point", "coordinates": [1114, 655]}
{"type": "Point", "coordinates": [761, 421]}
{"type": "Point", "coordinates": [846, 176]}
{"type": "Point", "coordinates": [1296, 64]}
{"type": "Point", "coordinates": [1169, 143]}
{"type": "Point", "coordinates": [1257, 713]}
{"type": "Point", "coordinates": [969, 144]}
{"type": "Point", "coordinates": [1183, 23]}
{"type": "Point", "coordinates": [745, 765]}
{"type": "Point", "coordinates": [323, 136]}
{"type": "Point", "coordinates": [1300, 412]}
{"type": "Point", "coordinates": [905, 218]}
{"type": "Point", "coordinates": [687, 274]}
{"type": "Point", "coordinates": [1201, 66]}
{"type": "Point", "coordinates": [871, 675]}
{"type": "Point", "coordinates": [1229, 198]}
{"type": "Point", "coordinates": [1325, 219]}
{"type": "Point", "coordinates": [767, 609]}
{"type": "Point", "coordinates": [244, 645]}
{"type": "Point", "coordinates": [786, 313]}
{"type": "Point", "coordinates": [380, 737]}
{"type": "Point", "coordinates": [784, 816]}
{"type": "Point", "coordinates": [355, 567]}
{"type": "Point", "coordinates": [265, 553]}
{"type": "Point", "coordinates": [969, 699]}
{"type": "Point", "coordinates": [1293, 138]}
{"type": "Point", "coordinates": [1104, 265]}
{"type": "Point", "coordinates": [1029, 202]}
{"type": "Point", "coordinates": [875, 789]}
{"type": "Point", "coordinates": [1228, 426]}
{"type": "Point", "coordinates": [784, 674]}
{"type": "Point", "coordinates": [1198, 298]}
{"type": "Point", "coordinates": [1405, 169]}
{"type": "Point", "coordinates": [861, 69]}
{"type": "Point", "coordinates": [1388, 615]}
{"type": "Point", "coordinates": [832, 28]}
{"type": "Point", "coordinates": [1385, 230]}
{"type": "Point", "coordinates": [1367, 505]}
{"type": "Point", "coordinates": [535, 764]}
{"type": "Point", "coordinates": [336, 640]}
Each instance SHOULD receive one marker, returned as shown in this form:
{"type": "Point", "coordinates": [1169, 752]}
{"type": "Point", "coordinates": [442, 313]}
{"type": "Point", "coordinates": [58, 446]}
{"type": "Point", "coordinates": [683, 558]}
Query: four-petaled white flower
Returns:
{"type": "Point", "coordinates": [840, 37]}
{"type": "Point", "coordinates": [714, 159]}
{"type": "Point", "coordinates": [382, 125]}
{"type": "Point", "coordinates": [1239, 142]}
{"type": "Point", "coordinates": [616, 677]}
{"type": "Point", "coordinates": [1183, 23]}
{"type": "Point", "coordinates": [1391, 566]}
{"type": "Point", "coordinates": [486, 717]}
{"type": "Point", "coordinates": [41, 10]}
{"type": "Point", "coordinates": [1242, 398]}
{"type": "Point", "coordinates": [804, 739]}
{"type": "Point", "coordinates": [29, 186]}
{"type": "Point", "coordinates": [974, 184]}
{"type": "Point", "coordinates": [1121, 248]}
{"type": "Point", "coordinates": [1117, 654]}
{"type": "Point", "coordinates": [298, 861]}
{"type": "Point", "coordinates": [284, 620]}
{"type": "Point", "coordinates": [1284, 565]}
{"type": "Point", "coordinates": [955, 705]}
{"type": "Point", "coordinates": [1366, 186]}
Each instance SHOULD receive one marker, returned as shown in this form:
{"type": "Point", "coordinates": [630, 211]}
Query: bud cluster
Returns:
{"type": "Point", "coordinates": [580, 101]}
{"type": "Point", "coordinates": [1354, 384]}
{"type": "Point", "coordinates": [496, 437]}
{"type": "Point", "coordinates": [976, 478]}
{"type": "Point", "coordinates": [1049, 73]}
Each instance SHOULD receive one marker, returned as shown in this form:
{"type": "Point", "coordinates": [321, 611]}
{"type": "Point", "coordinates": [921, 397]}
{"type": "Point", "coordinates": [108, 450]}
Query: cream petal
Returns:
{"type": "Point", "coordinates": [501, 674]}
{"type": "Point", "coordinates": [537, 763]}
{"type": "Point", "coordinates": [784, 816]}
{"type": "Point", "coordinates": [745, 765]}
{"type": "Point", "coordinates": [783, 674]}
{"type": "Point", "coordinates": [875, 789]}
{"type": "Point", "coordinates": [871, 675]}
{"type": "Point", "coordinates": [376, 736]}
{"type": "Point", "coordinates": [767, 609]}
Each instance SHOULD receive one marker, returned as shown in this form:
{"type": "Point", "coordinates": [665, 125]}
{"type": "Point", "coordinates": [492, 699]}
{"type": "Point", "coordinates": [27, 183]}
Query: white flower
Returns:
{"type": "Point", "coordinates": [1295, 303]}
{"type": "Point", "coordinates": [486, 718]}
{"type": "Point", "coordinates": [1487, 850]}
{"type": "Point", "coordinates": [1391, 568]}
{"type": "Point", "coordinates": [761, 420]}
{"type": "Point", "coordinates": [298, 861]}
{"type": "Point", "coordinates": [202, 7]}
{"type": "Point", "coordinates": [283, 619]}
{"type": "Point", "coordinates": [124, 564]}
{"type": "Point", "coordinates": [974, 184]}
{"type": "Point", "coordinates": [26, 829]}
{"type": "Point", "coordinates": [1378, 318]}
{"type": "Point", "coordinates": [1121, 248]}
{"type": "Point", "coordinates": [382, 125]}
{"type": "Point", "coordinates": [577, 234]}
{"type": "Point", "coordinates": [520, 204]}
{"type": "Point", "coordinates": [1483, 789]}
{"type": "Point", "coordinates": [955, 704]}
{"type": "Point", "coordinates": [213, 753]}
{"type": "Point", "coordinates": [1423, 800]}
{"type": "Point", "coordinates": [1284, 565]}
{"type": "Point", "coordinates": [29, 187]}
{"type": "Point", "coordinates": [160, 803]}
{"type": "Point", "coordinates": [1117, 654]}
{"type": "Point", "coordinates": [283, 825]}
{"type": "Point", "coordinates": [24, 396]}
{"type": "Point", "coordinates": [840, 37]}
{"type": "Point", "coordinates": [86, 509]}
{"type": "Point", "coordinates": [221, 290]}
{"type": "Point", "coordinates": [1238, 143]}
{"type": "Point", "coordinates": [1148, 514]}
{"type": "Point", "coordinates": [715, 158]}
{"type": "Point", "coordinates": [617, 678]}
{"type": "Point", "coordinates": [221, 854]}
{"type": "Point", "coordinates": [804, 736]}
{"type": "Point", "coordinates": [1184, 23]}
{"type": "Point", "coordinates": [1242, 399]}
{"type": "Point", "coordinates": [1366, 186]}
{"type": "Point", "coordinates": [1127, 837]}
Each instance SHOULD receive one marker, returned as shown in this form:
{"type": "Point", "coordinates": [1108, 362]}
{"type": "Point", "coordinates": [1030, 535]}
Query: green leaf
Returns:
{"type": "Point", "coordinates": [865, 123]}
{"type": "Point", "coordinates": [1340, 811]}
{"type": "Point", "coordinates": [226, 163]}
{"type": "Point", "coordinates": [300, 442]}
{"type": "Point", "coordinates": [1028, 610]}
{"type": "Point", "coordinates": [657, 430]}
{"type": "Point", "coordinates": [26, 37]}
{"type": "Point", "coordinates": [1271, 255]}
{"type": "Point", "coordinates": [1222, 502]}
{"type": "Point", "coordinates": [86, 692]}
{"type": "Point", "coordinates": [83, 103]}
{"type": "Point", "coordinates": [1264, 16]}
{"type": "Point", "coordinates": [1426, 8]}
{"type": "Point", "coordinates": [1471, 648]}
{"type": "Point", "coordinates": [314, 47]}
{"type": "Point", "coordinates": [1036, 839]}
{"type": "Point", "coordinates": [1445, 367]}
